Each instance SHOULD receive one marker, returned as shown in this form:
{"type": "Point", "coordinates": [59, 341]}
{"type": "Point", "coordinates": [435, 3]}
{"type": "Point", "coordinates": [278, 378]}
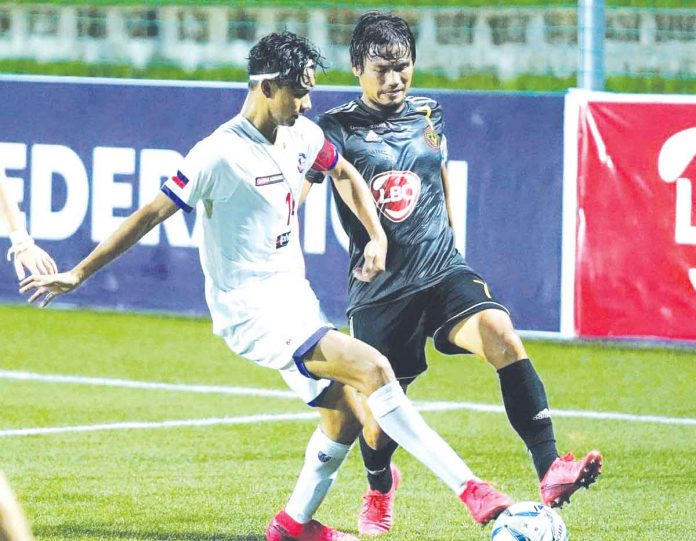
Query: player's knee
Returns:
{"type": "Point", "coordinates": [509, 349]}
{"type": "Point", "coordinates": [378, 372]}
{"type": "Point", "coordinates": [502, 345]}
{"type": "Point", "coordinates": [512, 341]}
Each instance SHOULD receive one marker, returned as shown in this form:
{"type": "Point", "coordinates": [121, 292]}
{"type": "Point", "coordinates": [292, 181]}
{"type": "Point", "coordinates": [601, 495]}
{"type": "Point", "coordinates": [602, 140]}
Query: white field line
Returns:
{"type": "Point", "coordinates": [138, 425]}
{"type": "Point", "coordinates": [581, 414]}
{"type": "Point", "coordinates": [249, 419]}
{"type": "Point", "coordinates": [132, 384]}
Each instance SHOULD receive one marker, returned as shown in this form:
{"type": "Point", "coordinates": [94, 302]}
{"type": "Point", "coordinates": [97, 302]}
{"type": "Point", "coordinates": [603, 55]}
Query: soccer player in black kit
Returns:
{"type": "Point", "coordinates": [398, 145]}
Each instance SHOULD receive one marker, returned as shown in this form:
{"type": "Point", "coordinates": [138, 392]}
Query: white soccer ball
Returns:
{"type": "Point", "coordinates": [529, 521]}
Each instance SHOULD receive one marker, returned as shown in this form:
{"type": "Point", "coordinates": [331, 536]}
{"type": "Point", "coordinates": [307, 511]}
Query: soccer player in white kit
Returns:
{"type": "Point", "coordinates": [246, 178]}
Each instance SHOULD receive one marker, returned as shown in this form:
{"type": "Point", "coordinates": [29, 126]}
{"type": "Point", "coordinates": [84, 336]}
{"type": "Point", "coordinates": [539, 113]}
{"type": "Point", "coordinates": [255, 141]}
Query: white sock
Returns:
{"type": "Point", "coordinates": [401, 421]}
{"type": "Point", "coordinates": [323, 457]}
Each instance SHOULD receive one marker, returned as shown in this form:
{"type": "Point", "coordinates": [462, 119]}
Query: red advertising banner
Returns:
{"type": "Point", "coordinates": [636, 219]}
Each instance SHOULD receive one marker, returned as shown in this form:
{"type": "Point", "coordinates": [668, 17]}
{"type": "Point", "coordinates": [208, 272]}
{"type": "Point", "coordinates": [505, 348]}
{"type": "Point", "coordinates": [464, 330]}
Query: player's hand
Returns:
{"type": "Point", "coordinates": [35, 260]}
{"type": "Point", "coordinates": [375, 258]}
{"type": "Point", "coordinates": [48, 286]}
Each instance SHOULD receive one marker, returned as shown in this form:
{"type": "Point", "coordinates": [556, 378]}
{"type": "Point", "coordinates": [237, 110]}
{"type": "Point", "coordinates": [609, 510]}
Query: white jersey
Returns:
{"type": "Point", "coordinates": [247, 190]}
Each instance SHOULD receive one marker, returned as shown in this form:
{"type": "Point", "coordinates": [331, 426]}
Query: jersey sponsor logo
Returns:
{"type": "Point", "coordinates": [431, 138]}
{"type": "Point", "coordinates": [282, 240]}
{"type": "Point", "coordinates": [396, 193]}
{"type": "Point", "coordinates": [372, 137]}
{"type": "Point", "coordinates": [270, 179]}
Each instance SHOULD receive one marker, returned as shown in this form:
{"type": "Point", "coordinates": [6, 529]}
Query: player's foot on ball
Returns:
{"type": "Point", "coordinates": [566, 475]}
{"type": "Point", "coordinates": [284, 528]}
{"type": "Point", "coordinates": [376, 514]}
{"type": "Point", "coordinates": [484, 502]}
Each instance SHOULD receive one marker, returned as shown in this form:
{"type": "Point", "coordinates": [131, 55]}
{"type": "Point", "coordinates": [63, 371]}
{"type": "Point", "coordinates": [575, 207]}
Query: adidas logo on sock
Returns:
{"type": "Point", "coordinates": [543, 414]}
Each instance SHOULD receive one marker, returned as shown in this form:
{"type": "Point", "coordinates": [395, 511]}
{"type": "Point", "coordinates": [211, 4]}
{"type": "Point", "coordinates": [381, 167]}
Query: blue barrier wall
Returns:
{"type": "Point", "coordinates": [85, 145]}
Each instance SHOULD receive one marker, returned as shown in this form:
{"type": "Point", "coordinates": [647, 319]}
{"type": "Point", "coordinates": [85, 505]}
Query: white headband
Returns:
{"type": "Point", "coordinates": [275, 74]}
{"type": "Point", "coordinates": [262, 76]}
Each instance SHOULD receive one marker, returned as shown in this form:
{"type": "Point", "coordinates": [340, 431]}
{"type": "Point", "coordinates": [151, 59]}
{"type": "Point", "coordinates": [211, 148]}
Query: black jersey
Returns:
{"type": "Point", "coordinates": [400, 156]}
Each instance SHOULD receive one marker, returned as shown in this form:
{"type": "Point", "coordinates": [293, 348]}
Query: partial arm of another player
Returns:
{"type": "Point", "coordinates": [353, 190]}
{"type": "Point", "coordinates": [448, 198]}
{"type": "Point", "coordinates": [13, 524]}
{"type": "Point", "coordinates": [130, 232]}
{"type": "Point", "coordinates": [446, 187]}
{"type": "Point", "coordinates": [26, 253]}
{"type": "Point", "coordinates": [305, 191]}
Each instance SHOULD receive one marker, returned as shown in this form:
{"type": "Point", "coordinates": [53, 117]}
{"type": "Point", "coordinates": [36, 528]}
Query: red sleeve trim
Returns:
{"type": "Point", "coordinates": [327, 157]}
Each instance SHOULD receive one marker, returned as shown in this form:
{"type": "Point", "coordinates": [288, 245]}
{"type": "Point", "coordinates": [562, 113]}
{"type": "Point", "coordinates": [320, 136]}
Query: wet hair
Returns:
{"type": "Point", "coordinates": [286, 54]}
{"type": "Point", "coordinates": [381, 35]}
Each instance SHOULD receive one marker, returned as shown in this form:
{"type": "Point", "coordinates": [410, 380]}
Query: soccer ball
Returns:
{"type": "Point", "coordinates": [529, 521]}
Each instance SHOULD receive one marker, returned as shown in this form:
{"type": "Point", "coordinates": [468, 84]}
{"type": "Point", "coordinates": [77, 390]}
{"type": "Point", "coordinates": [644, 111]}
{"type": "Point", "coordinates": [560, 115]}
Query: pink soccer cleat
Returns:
{"type": "Point", "coordinates": [484, 502]}
{"type": "Point", "coordinates": [566, 475]}
{"type": "Point", "coordinates": [285, 528]}
{"type": "Point", "coordinates": [376, 514]}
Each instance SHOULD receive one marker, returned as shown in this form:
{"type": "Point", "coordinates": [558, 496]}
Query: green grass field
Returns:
{"type": "Point", "coordinates": [225, 480]}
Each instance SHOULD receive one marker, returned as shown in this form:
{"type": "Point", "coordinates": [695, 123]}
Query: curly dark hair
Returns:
{"type": "Point", "coordinates": [381, 35]}
{"type": "Point", "coordinates": [287, 54]}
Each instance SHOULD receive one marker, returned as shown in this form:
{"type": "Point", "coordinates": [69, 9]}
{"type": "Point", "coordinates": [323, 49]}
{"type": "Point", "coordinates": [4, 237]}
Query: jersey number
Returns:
{"type": "Point", "coordinates": [290, 200]}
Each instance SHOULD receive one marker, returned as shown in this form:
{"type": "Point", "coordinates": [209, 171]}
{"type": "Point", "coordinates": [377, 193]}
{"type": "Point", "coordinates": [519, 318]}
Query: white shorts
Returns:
{"type": "Point", "coordinates": [277, 331]}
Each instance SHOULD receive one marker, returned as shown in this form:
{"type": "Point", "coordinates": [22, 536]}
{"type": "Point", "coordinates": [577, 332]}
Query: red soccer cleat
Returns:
{"type": "Point", "coordinates": [285, 528]}
{"type": "Point", "coordinates": [484, 502]}
{"type": "Point", "coordinates": [566, 475]}
{"type": "Point", "coordinates": [376, 514]}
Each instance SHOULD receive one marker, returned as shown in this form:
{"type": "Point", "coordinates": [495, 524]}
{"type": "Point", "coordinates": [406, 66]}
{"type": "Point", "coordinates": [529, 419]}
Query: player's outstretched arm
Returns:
{"type": "Point", "coordinates": [131, 231]}
{"type": "Point", "coordinates": [352, 189]}
{"type": "Point", "coordinates": [26, 253]}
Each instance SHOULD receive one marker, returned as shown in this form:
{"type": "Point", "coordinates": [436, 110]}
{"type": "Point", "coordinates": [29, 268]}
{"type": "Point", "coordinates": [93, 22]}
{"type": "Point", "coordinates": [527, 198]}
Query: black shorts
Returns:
{"type": "Point", "coordinates": [399, 329]}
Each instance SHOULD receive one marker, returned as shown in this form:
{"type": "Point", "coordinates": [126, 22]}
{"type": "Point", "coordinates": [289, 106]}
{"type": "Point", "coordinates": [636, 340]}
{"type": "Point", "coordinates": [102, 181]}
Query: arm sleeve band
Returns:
{"type": "Point", "coordinates": [327, 157]}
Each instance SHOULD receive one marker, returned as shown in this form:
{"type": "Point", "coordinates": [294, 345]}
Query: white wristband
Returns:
{"type": "Point", "coordinates": [19, 237]}
{"type": "Point", "coordinates": [20, 241]}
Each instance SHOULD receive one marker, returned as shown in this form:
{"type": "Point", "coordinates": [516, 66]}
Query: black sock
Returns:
{"type": "Point", "coordinates": [527, 410]}
{"type": "Point", "coordinates": [378, 464]}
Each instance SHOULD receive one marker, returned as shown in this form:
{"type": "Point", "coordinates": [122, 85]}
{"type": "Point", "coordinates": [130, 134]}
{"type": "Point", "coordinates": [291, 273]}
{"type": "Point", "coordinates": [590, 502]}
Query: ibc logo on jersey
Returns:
{"type": "Point", "coordinates": [396, 193]}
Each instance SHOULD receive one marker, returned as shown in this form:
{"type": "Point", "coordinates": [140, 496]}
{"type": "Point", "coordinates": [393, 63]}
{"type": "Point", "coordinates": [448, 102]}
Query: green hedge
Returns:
{"type": "Point", "coordinates": [475, 81]}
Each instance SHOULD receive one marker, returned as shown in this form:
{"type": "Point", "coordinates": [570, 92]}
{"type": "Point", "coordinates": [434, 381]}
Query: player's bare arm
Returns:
{"type": "Point", "coordinates": [448, 197]}
{"type": "Point", "coordinates": [25, 252]}
{"type": "Point", "coordinates": [353, 190]}
{"type": "Point", "coordinates": [305, 191]}
{"type": "Point", "coordinates": [13, 523]}
{"type": "Point", "coordinates": [138, 224]}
